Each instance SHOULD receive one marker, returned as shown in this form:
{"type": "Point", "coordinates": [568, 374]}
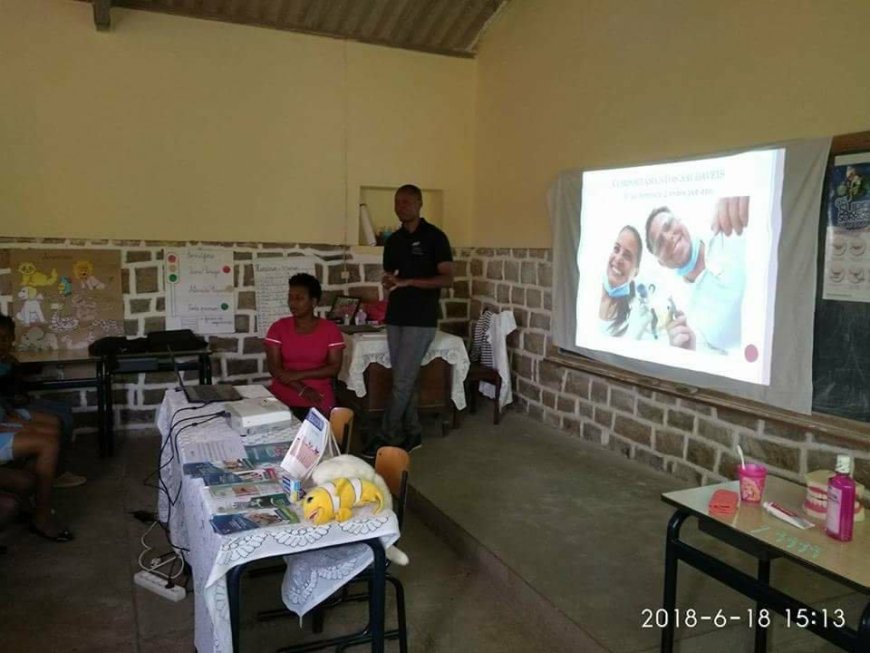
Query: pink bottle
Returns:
{"type": "Point", "coordinates": [841, 501]}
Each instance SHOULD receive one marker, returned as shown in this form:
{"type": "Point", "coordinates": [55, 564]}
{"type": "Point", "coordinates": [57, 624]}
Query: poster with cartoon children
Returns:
{"type": "Point", "coordinates": [65, 299]}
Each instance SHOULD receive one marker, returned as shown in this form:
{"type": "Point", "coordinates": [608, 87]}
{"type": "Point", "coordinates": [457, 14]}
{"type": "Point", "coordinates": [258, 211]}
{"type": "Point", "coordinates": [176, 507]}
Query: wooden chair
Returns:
{"type": "Point", "coordinates": [392, 463]}
{"type": "Point", "coordinates": [479, 372]}
{"type": "Point", "coordinates": [341, 423]}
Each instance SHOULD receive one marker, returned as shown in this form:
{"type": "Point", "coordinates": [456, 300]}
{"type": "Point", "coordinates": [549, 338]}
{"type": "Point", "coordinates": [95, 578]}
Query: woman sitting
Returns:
{"type": "Point", "coordinates": [304, 351]}
{"type": "Point", "coordinates": [38, 444]}
{"type": "Point", "coordinates": [617, 288]}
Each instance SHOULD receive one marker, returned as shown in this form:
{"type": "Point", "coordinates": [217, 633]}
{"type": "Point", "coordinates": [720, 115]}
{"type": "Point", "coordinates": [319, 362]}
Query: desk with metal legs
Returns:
{"type": "Point", "coordinates": [116, 365]}
{"type": "Point", "coordinates": [373, 633]}
{"type": "Point", "coordinates": [766, 538]}
{"type": "Point", "coordinates": [68, 370]}
{"type": "Point", "coordinates": [98, 372]}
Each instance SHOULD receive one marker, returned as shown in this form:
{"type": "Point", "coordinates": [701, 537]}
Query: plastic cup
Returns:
{"type": "Point", "coordinates": [752, 477]}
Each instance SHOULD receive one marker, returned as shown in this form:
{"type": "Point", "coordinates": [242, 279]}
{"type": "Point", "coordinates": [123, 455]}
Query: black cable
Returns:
{"type": "Point", "coordinates": [171, 440]}
{"type": "Point", "coordinates": [161, 485]}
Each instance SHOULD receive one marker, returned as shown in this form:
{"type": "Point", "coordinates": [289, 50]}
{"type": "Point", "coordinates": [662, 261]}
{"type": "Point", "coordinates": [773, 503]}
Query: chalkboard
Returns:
{"type": "Point", "coordinates": [841, 352]}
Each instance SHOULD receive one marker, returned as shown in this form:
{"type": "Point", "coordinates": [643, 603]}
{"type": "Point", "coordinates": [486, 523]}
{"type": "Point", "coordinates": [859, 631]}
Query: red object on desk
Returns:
{"type": "Point", "coordinates": [376, 311]}
{"type": "Point", "coordinates": [723, 502]}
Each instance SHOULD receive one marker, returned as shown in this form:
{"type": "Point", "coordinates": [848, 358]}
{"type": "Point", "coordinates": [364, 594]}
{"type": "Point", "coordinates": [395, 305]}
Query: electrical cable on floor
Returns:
{"type": "Point", "coordinates": [171, 440]}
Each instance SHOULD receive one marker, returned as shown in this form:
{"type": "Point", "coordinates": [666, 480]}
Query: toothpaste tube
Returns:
{"type": "Point", "coordinates": [786, 515]}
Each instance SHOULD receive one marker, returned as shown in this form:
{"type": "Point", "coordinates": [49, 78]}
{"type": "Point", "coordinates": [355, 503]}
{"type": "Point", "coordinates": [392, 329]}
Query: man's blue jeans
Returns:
{"type": "Point", "coordinates": [408, 345]}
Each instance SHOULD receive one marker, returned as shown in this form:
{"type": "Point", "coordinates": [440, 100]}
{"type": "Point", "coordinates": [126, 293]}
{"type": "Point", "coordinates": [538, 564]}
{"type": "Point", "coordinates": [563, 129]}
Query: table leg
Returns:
{"type": "Point", "coordinates": [234, 577]}
{"type": "Point", "coordinates": [669, 602]}
{"type": "Point", "coordinates": [205, 369]}
{"type": "Point", "coordinates": [863, 641]}
{"type": "Point", "coordinates": [760, 631]}
{"type": "Point", "coordinates": [377, 595]}
{"type": "Point", "coordinates": [101, 407]}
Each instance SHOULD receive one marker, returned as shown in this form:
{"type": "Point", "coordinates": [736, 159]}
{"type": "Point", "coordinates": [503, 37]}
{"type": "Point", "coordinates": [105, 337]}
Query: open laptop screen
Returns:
{"type": "Point", "coordinates": [343, 309]}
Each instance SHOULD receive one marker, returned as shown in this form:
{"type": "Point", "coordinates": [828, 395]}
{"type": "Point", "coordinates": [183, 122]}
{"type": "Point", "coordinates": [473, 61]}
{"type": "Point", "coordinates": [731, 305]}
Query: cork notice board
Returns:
{"type": "Point", "coordinates": [65, 299]}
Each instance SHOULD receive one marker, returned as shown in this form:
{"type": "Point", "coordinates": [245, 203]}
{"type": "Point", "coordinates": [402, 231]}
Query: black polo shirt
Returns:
{"type": "Point", "coordinates": [415, 255]}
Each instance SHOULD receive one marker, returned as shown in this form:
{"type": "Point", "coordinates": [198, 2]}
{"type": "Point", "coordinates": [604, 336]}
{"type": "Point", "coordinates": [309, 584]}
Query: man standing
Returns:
{"type": "Point", "coordinates": [418, 263]}
{"type": "Point", "coordinates": [714, 266]}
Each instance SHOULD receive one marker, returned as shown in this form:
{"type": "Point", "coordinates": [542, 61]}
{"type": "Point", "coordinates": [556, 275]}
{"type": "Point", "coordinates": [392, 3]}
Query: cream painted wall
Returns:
{"type": "Point", "coordinates": [594, 83]}
{"type": "Point", "coordinates": [415, 128]}
{"type": "Point", "coordinates": [174, 128]}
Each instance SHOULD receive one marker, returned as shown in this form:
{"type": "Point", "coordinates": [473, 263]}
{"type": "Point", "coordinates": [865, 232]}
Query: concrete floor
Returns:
{"type": "Point", "coordinates": [521, 539]}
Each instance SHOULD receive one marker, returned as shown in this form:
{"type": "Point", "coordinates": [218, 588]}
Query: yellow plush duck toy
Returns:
{"type": "Point", "coordinates": [334, 500]}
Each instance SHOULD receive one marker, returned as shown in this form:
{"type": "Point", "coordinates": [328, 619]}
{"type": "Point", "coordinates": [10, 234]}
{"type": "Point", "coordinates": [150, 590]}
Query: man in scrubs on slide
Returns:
{"type": "Point", "coordinates": [714, 266]}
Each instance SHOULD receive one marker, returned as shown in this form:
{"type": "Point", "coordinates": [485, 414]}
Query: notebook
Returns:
{"type": "Point", "coordinates": [206, 394]}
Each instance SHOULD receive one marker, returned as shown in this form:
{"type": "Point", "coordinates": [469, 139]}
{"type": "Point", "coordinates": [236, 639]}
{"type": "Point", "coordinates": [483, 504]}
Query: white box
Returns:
{"type": "Point", "coordinates": [253, 415]}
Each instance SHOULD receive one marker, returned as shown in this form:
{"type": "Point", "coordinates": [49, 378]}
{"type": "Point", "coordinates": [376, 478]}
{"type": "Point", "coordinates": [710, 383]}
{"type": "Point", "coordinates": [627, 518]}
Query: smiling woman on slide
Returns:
{"type": "Point", "coordinates": [617, 288]}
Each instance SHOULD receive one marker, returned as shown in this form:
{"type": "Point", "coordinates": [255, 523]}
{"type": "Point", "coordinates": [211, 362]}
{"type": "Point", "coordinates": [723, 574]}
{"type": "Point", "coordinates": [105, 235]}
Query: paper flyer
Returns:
{"type": "Point", "coordinates": [308, 446]}
{"type": "Point", "coordinates": [847, 259]}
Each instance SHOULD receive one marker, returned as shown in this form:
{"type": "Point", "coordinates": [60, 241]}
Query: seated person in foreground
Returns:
{"type": "Point", "coordinates": [38, 444]}
{"type": "Point", "coordinates": [303, 351]}
{"type": "Point", "coordinates": [53, 414]}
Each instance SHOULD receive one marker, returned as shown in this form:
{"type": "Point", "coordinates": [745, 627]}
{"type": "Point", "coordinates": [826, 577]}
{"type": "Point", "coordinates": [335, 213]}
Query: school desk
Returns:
{"type": "Point", "coordinates": [754, 531]}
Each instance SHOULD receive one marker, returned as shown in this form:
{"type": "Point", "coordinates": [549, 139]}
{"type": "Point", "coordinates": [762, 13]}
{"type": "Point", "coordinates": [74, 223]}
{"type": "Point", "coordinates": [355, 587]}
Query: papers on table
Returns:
{"type": "Point", "coordinates": [212, 450]}
{"type": "Point", "coordinates": [227, 524]}
{"type": "Point", "coordinates": [253, 391]}
{"type": "Point", "coordinates": [245, 506]}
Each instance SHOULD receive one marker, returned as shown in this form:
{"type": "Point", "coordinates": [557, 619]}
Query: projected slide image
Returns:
{"type": "Point", "coordinates": [677, 263]}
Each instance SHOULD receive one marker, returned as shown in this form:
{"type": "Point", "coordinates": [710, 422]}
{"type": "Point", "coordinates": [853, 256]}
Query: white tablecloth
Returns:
{"type": "Point", "coordinates": [363, 349]}
{"type": "Point", "coordinates": [312, 574]}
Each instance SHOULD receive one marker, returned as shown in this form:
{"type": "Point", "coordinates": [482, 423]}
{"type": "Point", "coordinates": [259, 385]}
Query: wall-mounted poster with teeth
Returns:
{"type": "Point", "coordinates": [847, 241]}
{"type": "Point", "coordinates": [63, 300]}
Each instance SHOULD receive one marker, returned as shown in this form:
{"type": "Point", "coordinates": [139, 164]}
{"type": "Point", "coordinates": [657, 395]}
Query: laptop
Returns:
{"type": "Point", "coordinates": [359, 328]}
{"type": "Point", "coordinates": [344, 309]}
{"type": "Point", "coordinates": [206, 394]}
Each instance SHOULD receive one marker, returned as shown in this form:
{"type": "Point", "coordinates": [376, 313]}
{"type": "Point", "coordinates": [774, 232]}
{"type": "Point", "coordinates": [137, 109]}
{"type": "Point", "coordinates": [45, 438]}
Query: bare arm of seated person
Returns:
{"type": "Point", "coordinates": [294, 379]}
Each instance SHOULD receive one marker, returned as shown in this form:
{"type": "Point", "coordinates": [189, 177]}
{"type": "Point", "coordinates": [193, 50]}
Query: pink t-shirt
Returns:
{"type": "Point", "coordinates": [304, 351]}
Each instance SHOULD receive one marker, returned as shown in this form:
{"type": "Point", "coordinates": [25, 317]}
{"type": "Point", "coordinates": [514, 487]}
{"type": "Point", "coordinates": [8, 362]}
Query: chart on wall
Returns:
{"type": "Point", "coordinates": [199, 289]}
{"type": "Point", "coordinates": [65, 299]}
{"type": "Point", "coordinates": [847, 256]}
{"type": "Point", "coordinates": [270, 280]}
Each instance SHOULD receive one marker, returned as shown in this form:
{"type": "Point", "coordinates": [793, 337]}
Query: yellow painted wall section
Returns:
{"type": "Point", "coordinates": [175, 128]}
{"type": "Point", "coordinates": [413, 123]}
{"type": "Point", "coordinates": [596, 83]}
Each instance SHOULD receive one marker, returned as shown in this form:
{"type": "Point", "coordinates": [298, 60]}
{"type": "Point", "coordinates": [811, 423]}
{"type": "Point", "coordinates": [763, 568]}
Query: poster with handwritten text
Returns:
{"type": "Point", "coordinates": [270, 281]}
{"type": "Point", "coordinates": [199, 289]}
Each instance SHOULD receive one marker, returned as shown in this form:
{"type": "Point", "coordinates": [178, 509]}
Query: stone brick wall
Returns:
{"type": "Point", "coordinates": [239, 357]}
{"type": "Point", "coordinates": [689, 439]}
{"type": "Point", "coordinates": [692, 440]}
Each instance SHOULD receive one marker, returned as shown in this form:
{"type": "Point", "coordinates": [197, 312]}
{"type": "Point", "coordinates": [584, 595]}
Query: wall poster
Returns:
{"type": "Point", "coordinates": [63, 300]}
{"type": "Point", "coordinates": [199, 289]}
{"type": "Point", "coordinates": [847, 241]}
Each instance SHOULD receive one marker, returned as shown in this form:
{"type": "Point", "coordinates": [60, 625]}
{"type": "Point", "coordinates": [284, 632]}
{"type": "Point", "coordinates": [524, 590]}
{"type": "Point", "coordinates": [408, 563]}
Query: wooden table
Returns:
{"type": "Point", "coordinates": [366, 380]}
{"type": "Point", "coordinates": [765, 537]}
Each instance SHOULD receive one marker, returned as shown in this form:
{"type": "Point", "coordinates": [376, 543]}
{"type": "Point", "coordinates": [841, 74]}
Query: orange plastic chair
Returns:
{"type": "Point", "coordinates": [392, 463]}
{"type": "Point", "coordinates": [341, 423]}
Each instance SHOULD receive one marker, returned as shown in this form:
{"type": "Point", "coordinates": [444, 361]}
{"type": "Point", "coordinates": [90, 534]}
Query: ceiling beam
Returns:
{"type": "Point", "coordinates": [102, 20]}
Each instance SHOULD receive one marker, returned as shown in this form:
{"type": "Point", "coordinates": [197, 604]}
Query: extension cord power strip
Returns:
{"type": "Point", "coordinates": [157, 584]}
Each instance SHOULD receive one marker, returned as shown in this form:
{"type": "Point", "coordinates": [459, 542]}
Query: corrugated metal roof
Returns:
{"type": "Point", "coordinates": [451, 27]}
